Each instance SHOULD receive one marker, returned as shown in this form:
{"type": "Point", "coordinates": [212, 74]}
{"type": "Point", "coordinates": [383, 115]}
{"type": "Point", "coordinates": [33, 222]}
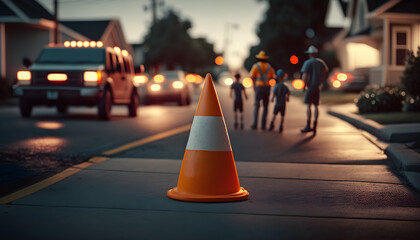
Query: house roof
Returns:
{"type": "Point", "coordinates": [91, 29]}
{"type": "Point", "coordinates": [406, 6]}
{"type": "Point", "coordinates": [374, 4]}
{"type": "Point", "coordinates": [6, 11]}
{"type": "Point", "coordinates": [26, 9]}
{"type": "Point", "coordinates": [33, 9]}
{"type": "Point", "coordinates": [343, 6]}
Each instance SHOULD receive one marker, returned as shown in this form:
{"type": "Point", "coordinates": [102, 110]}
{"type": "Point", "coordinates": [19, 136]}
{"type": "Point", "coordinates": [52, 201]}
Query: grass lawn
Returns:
{"type": "Point", "coordinates": [331, 97]}
{"type": "Point", "coordinates": [393, 117]}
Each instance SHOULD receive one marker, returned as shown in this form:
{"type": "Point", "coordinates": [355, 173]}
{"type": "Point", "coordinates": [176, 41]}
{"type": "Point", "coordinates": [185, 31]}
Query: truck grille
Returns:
{"type": "Point", "coordinates": [74, 78]}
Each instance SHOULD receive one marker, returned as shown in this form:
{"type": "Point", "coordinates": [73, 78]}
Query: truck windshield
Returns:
{"type": "Point", "coordinates": [72, 55]}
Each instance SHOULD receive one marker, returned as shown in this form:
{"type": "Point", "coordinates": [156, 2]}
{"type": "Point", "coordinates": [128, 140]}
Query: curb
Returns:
{"type": "Point", "coordinates": [403, 158]}
{"type": "Point", "coordinates": [399, 133]}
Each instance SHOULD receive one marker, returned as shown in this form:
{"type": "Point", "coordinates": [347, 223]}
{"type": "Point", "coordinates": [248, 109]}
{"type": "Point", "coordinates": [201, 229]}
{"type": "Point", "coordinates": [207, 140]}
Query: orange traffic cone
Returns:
{"type": "Point", "coordinates": [208, 171]}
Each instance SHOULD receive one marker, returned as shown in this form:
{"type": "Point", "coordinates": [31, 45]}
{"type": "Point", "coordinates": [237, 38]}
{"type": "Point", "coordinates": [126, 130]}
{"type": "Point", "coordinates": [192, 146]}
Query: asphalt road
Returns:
{"type": "Point", "coordinates": [46, 143]}
{"type": "Point", "coordinates": [333, 185]}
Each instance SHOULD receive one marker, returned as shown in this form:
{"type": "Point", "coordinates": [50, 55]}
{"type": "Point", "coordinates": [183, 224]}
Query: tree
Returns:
{"type": "Point", "coordinates": [168, 42]}
{"type": "Point", "coordinates": [411, 76]}
{"type": "Point", "coordinates": [286, 31]}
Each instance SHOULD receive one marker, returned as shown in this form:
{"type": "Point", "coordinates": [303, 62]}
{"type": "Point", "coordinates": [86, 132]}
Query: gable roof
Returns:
{"type": "Point", "coordinates": [343, 6]}
{"type": "Point", "coordinates": [93, 29]}
{"type": "Point", "coordinates": [31, 9]}
{"type": "Point", "coordinates": [374, 4]}
{"type": "Point", "coordinates": [6, 11]}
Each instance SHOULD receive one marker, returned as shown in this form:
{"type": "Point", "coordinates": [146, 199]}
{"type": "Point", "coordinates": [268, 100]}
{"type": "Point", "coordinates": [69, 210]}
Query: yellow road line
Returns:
{"type": "Point", "coordinates": [72, 170]}
{"type": "Point", "coordinates": [149, 139]}
{"type": "Point", "coordinates": [40, 185]}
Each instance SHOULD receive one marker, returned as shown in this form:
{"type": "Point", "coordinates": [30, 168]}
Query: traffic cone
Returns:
{"type": "Point", "coordinates": [208, 171]}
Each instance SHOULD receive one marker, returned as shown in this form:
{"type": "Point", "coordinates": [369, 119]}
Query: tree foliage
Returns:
{"type": "Point", "coordinates": [411, 75]}
{"type": "Point", "coordinates": [283, 31]}
{"type": "Point", "coordinates": [168, 42]}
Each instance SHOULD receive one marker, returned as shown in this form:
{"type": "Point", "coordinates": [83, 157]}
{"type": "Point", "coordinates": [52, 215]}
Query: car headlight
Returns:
{"type": "Point", "coordinates": [24, 78]}
{"type": "Point", "coordinates": [155, 87]}
{"type": "Point", "coordinates": [177, 84]}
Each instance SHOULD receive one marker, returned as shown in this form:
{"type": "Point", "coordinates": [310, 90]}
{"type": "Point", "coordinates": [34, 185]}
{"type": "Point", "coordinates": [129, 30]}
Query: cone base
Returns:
{"type": "Point", "coordinates": [191, 197]}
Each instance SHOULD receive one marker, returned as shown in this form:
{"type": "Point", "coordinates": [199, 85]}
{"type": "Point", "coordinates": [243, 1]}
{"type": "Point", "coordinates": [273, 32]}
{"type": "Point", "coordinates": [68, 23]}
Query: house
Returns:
{"type": "Point", "coordinates": [26, 27]}
{"type": "Point", "coordinates": [378, 38]}
{"type": "Point", "coordinates": [107, 31]}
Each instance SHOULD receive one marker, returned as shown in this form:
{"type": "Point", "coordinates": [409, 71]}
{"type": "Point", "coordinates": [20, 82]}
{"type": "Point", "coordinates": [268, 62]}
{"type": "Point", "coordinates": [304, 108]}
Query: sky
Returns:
{"type": "Point", "coordinates": [215, 20]}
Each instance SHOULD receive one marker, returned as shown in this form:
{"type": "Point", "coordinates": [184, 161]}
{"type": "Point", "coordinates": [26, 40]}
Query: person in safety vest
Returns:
{"type": "Point", "coordinates": [313, 72]}
{"type": "Point", "coordinates": [261, 73]}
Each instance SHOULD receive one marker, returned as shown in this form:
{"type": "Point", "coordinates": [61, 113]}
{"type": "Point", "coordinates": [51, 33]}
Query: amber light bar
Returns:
{"type": "Point", "coordinates": [57, 77]}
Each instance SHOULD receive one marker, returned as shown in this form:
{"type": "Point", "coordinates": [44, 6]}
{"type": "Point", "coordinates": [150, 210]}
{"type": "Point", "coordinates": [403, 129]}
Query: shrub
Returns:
{"type": "Point", "coordinates": [411, 75]}
{"type": "Point", "coordinates": [379, 99]}
{"type": "Point", "coordinates": [411, 104]}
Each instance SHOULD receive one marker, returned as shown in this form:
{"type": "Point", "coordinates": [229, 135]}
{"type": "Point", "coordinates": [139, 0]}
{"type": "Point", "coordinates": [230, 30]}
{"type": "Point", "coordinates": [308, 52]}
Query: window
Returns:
{"type": "Point", "coordinates": [400, 44]}
{"type": "Point", "coordinates": [110, 64]}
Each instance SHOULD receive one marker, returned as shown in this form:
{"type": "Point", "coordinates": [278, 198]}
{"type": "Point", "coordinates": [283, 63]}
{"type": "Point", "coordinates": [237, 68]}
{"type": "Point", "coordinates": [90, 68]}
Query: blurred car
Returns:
{"type": "Point", "coordinates": [168, 86]}
{"type": "Point", "coordinates": [78, 73]}
{"type": "Point", "coordinates": [354, 81]}
{"type": "Point", "coordinates": [225, 79]}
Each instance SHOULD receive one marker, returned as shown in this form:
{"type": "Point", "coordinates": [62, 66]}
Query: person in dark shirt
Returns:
{"type": "Point", "coordinates": [313, 71]}
{"type": "Point", "coordinates": [238, 106]}
{"type": "Point", "coordinates": [281, 94]}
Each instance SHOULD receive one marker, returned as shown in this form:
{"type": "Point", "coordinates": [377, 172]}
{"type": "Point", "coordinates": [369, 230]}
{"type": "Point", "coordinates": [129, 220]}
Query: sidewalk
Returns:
{"type": "Point", "coordinates": [123, 198]}
{"type": "Point", "coordinates": [397, 140]}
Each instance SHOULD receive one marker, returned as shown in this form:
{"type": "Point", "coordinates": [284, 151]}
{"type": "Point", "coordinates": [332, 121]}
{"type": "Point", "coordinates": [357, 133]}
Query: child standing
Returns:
{"type": "Point", "coordinates": [281, 93]}
{"type": "Point", "coordinates": [238, 105]}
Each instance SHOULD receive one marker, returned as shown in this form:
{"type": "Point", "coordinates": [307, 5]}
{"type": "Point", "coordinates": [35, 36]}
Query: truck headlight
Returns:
{"type": "Point", "coordinates": [92, 78]}
{"type": "Point", "coordinates": [24, 78]}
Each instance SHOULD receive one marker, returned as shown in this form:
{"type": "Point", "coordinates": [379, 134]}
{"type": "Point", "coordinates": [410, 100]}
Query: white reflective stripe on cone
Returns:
{"type": "Point", "coordinates": [208, 134]}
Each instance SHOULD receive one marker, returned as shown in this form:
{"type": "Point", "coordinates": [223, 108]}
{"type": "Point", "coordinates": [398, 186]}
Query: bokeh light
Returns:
{"type": "Point", "coordinates": [298, 84]}
{"type": "Point", "coordinates": [272, 82]}
{"type": "Point", "coordinates": [159, 78]}
{"type": "Point", "coordinates": [190, 78]}
{"type": "Point", "coordinates": [294, 59]}
{"type": "Point", "coordinates": [228, 81]}
{"type": "Point", "coordinates": [336, 84]}
{"type": "Point", "coordinates": [219, 60]}
{"type": "Point", "coordinates": [342, 77]}
{"type": "Point", "coordinates": [247, 82]}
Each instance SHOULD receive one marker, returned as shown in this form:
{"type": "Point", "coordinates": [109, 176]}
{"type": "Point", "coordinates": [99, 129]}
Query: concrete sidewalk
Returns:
{"type": "Point", "coordinates": [125, 198]}
{"type": "Point", "coordinates": [397, 140]}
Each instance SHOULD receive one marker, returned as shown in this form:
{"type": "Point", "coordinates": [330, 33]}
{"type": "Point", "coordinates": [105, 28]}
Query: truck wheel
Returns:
{"type": "Point", "coordinates": [62, 109]}
{"type": "Point", "coordinates": [104, 106]}
{"type": "Point", "coordinates": [25, 108]}
{"type": "Point", "coordinates": [134, 103]}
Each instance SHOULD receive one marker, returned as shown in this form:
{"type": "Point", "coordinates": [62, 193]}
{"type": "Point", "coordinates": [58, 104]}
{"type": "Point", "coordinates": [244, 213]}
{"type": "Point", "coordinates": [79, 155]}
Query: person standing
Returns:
{"type": "Point", "coordinates": [313, 71]}
{"type": "Point", "coordinates": [238, 104]}
{"type": "Point", "coordinates": [281, 93]}
{"type": "Point", "coordinates": [261, 73]}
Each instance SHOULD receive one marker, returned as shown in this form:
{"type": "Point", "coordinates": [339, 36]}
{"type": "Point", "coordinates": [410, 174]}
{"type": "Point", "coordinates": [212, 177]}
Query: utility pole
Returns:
{"type": "Point", "coordinates": [154, 4]}
{"type": "Point", "coordinates": [56, 22]}
{"type": "Point", "coordinates": [154, 12]}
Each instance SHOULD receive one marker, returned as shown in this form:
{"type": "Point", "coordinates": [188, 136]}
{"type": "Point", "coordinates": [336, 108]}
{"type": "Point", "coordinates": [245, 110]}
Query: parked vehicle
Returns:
{"type": "Point", "coordinates": [78, 74]}
{"type": "Point", "coordinates": [354, 81]}
{"type": "Point", "coordinates": [168, 86]}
